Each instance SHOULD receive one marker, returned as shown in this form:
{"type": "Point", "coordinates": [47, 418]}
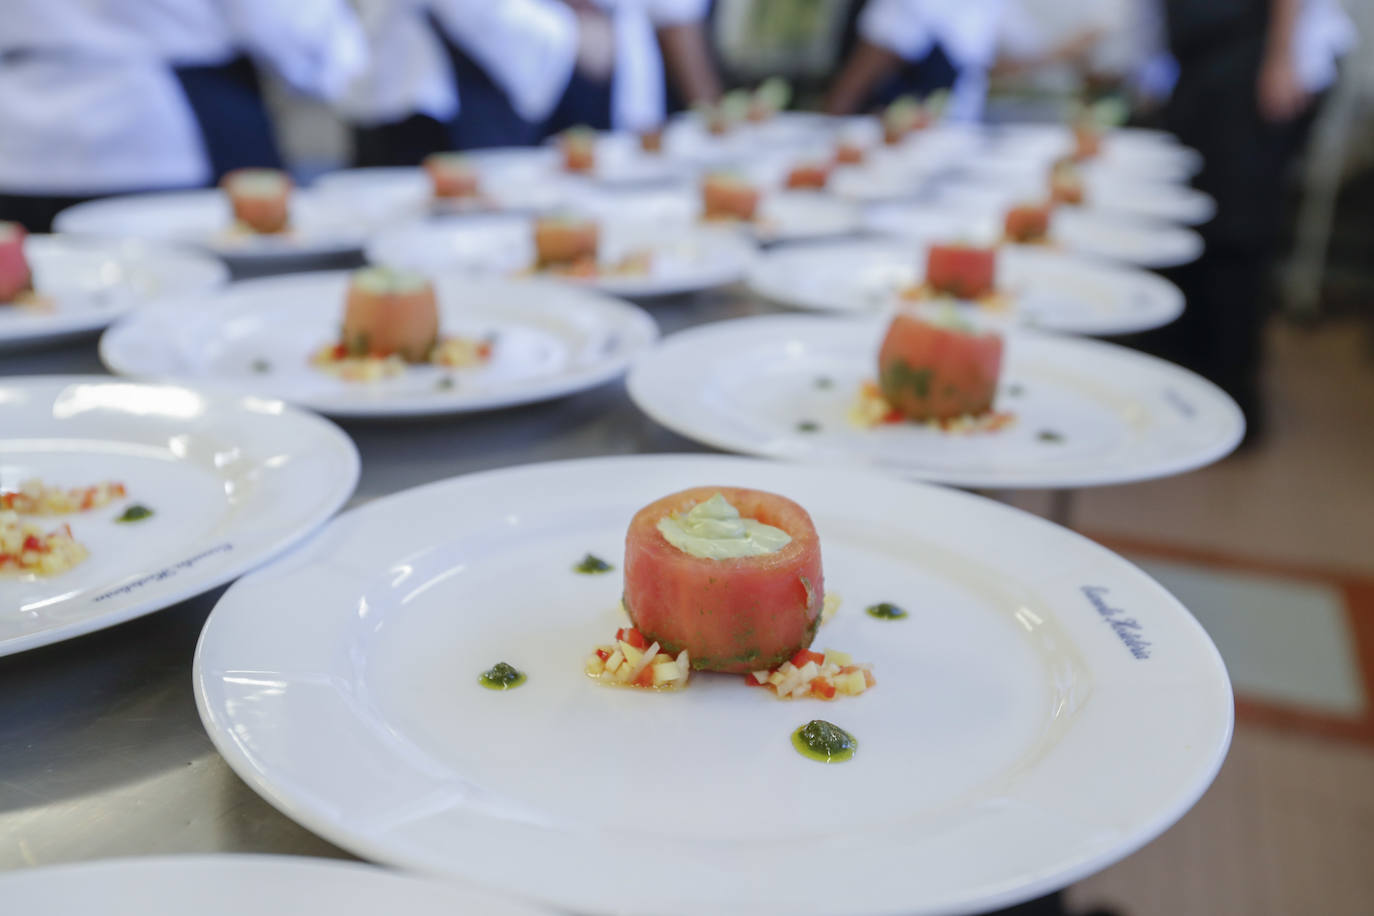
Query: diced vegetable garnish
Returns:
{"type": "Point", "coordinates": [632, 663]}
{"type": "Point", "coordinates": [823, 676]}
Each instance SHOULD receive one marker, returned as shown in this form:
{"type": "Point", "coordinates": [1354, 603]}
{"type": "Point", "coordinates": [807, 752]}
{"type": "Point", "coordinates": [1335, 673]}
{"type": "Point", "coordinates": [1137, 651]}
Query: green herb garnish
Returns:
{"type": "Point", "coordinates": [135, 513]}
{"type": "Point", "coordinates": [886, 611]}
{"type": "Point", "coordinates": [501, 676]}
{"type": "Point", "coordinates": [592, 565]}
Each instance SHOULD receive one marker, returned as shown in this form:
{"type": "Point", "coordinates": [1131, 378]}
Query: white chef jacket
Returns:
{"type": "Point", "coordinates": [89, 103]}
{"type": "Point", "coordinates": [528, 47]}
{"type": "Point", "coordinates": [967, 30]}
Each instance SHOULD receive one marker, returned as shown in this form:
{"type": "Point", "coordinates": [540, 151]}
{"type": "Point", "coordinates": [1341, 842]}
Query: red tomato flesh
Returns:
{"type": "Point", "coordinates": [1028, 223]}
{"type": "Point", "coordinates": [15, 276]}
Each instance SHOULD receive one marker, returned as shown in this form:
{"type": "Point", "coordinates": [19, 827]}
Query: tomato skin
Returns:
{"type": "Point", "coordinates": [736, 615]}
{"type": "Point", "coordinates": [1028, 223]}
{"type": "Point", "coordinates": [929, 372]}
{"type": "Point", "coordinates": [961, 271]}
{"type": "Point", "coordinates": [15, 276]}
{"type": "Point", "coordinates": [386, 323]}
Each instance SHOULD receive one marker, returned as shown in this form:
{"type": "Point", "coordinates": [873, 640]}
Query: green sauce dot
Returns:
{"type": "Point", "coordinates": [1049, 435]}
{"type": "Point", "coordinates": [825, 742]}
{"type": "Point", "coordinates": [501, 676]}
{"type": "Point", "coordinates": [135, 513]}
{"type": "Point", "coordinates": [591, 565]}
{"type": "Point", "coordinates": [885, 611]}
{"type": "Point", "coordinates": [808, 426]}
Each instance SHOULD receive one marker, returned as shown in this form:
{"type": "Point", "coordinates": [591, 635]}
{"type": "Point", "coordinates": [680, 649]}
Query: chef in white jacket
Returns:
{"type": "Point", "coordinates": [458, 74]}
{"type": "Point", "coordinates": [894, 33]}
{"type": "Point", "coordinates": [136, 95]}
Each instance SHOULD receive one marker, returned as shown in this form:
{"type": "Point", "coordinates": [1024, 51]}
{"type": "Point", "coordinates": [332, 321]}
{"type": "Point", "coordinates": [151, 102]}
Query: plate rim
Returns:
{"type": "Point", "coordinates": [194, 585]}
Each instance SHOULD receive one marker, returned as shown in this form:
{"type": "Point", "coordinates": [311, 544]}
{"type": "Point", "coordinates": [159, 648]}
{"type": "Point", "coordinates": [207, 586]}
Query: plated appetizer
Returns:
{"type": "Point", "coordinates": [722, 117]}
{"type": "Point", "coordinates": [578, 145]}
{"type": "Point", "coordinates": [850, 152]}
{"type": "Point", "coordinates": [452, 176]}
{"type": "Point", "coordinates": [566, 244]}
{"type": "Point", "coordinates": [728, 197]}
{"type": "Point", "coordinates": [260, 199]}
{"type": "Point", "coordinates": [1029, 224]}
{"type": "Point", "coordinates": [1066, 183]}
{"type": "Point", "coordinates": [907, 115]}
{"type": "Point", "coordinates": [808, 176]}
{"type": "Point", "coordinates": [937, 371]}
{"type": "Point", "coordinates": [391, 321]}
{"type": "Point", "coordinates": [959, 271]}
{"type": "Point", "coordinates": [37, 498]}
{"type": "Point", "coordinates": [16, 279]}
{"type": "Point", "coordinates": [729, 580]}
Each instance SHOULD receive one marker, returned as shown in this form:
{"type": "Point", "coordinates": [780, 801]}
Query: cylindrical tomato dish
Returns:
{"type": "Point", "coordinates": [963, 271]}
{"type": "Point", "coordinates": [260, 198]}
{"type": "Point", "coordinates": [810, 176]}
{"type": "Point", "coordinates": [728, 197]}
{"type": "Point", "coordinates": [731, 613]}
{"type": "Point", "coordinates": [1028, 223]}
{"type": "Point", "coordinates": [390, 312]}
{"type": "Point", "coordinates": [451, 175]}
{"type": "Point", "coordinates": [930, 371]}
{"type": "Point", "coordinates": [15, 277]}
{"type": "Point", "coordinates": [563, 239]}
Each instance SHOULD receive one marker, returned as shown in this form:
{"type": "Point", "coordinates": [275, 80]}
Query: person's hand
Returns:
{"type": "Point", "coordinates": [595, 45]}
{"type": "Point", "coordinates": [1281, 95]}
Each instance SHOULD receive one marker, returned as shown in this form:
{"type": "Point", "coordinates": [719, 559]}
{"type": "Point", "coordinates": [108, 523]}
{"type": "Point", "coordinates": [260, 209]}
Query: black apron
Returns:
{"type": "Point", "coordinates": [235, 126]}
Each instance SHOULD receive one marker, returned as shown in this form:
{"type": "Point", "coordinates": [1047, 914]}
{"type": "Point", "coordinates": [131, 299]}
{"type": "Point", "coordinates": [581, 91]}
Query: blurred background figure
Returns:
{"type": "Point", "coordinates": [918, 47]}
{"type": "Point", "coordinates": [138, 95]}
{"type": "Point", "coordinates": [1250, 78]}
{"type": "Point", "coordinates": [465, 74]}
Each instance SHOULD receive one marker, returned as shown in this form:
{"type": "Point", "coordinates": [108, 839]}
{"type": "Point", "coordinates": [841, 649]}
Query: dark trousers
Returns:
{"type": "Point", "coordinates": [1247, 160]}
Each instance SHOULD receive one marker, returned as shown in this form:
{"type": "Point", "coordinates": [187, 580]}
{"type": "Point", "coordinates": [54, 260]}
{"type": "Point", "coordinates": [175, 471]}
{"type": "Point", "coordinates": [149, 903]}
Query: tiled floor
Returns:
{"type": "Point", "coordinates": [1288, 827]}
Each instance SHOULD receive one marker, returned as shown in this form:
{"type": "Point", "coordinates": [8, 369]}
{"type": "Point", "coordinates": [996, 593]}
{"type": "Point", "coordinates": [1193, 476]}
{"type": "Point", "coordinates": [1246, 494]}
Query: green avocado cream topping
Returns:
{"type": "Point", "coordinates": [714, 530]}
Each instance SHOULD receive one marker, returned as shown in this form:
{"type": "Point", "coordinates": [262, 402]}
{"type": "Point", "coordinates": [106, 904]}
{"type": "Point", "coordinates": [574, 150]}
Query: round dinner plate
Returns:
{"type": "Point", "coordinates": [1103, 190]}
{"type": "Point", "coordinates": [390, 194]}
{"type": "Point", "coordinates": [781, 216]}
{"type": "Point", "coordinates": [321, 226]}
{"type": "Point", "coordinates": [258, 336]}
{"type": "Point", "coordinates": [1084, 413]}
{"type": "Point", "coordinates": [231, 481]}
{"type": "Point", "coordinates": [1143, 153]}
{"type": "Point", "coordinates": [1093, 233]}
{"type": "Point", "coordinates": [1046, 709]}
{"type": "Point", "coordinates": [236, 885]}
{"type": "Point", "coordinates": [1044, 288]}
{"type": "Point", "coordinates": [87, 283]}
{"type": "Point", "coordinates": [679, 261]}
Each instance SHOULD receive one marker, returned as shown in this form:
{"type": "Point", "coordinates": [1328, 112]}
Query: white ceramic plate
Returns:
{"type": "Point", "coordinates": [782, 215]}
{"type": "Point", "coordinates": [405, 194]}
{"type": "Point", "coordinates": [231, 481]}
{"type": "Point", "coordinates": [681, 260]}
{"type": "Point", "coordinates": [258, 337]}
{"type": "Point", "coordinates": [1143, 153]}
{"type": "Point", "coordinates": [1093, 233]}
{"type": "Point", "coordinates": [238, 885]}
{"type": "Point", "coordinates": [1047, 289]}
{"type": "Point", "coordinates": [321, 226]}
{"type": "Point", "coordinates": [686, 137]}
{"type": "Point", "coordinates": [90, 282]}
{"type": "Point", "coordinates": [1104, 191]}
{"type": "Point", "coordinates": [755, 385]}
{"type": "Point", "coordinates": [1046, 710]}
